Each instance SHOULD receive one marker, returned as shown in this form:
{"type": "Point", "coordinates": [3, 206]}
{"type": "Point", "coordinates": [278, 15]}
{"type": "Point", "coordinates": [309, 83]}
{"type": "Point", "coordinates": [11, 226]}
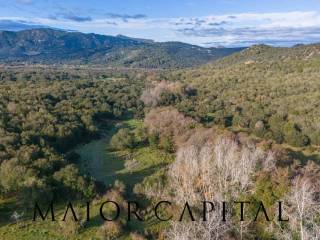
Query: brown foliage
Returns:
{"type": "Point", "coordinates": [167, 121]}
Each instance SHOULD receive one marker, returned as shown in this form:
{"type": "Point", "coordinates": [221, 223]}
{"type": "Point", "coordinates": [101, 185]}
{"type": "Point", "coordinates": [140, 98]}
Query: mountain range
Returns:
{"type": "Point", "coordinates": [51, 46]}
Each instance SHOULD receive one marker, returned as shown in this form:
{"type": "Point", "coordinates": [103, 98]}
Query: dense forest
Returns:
{"type": "Point", "coordinates": [41, 120]}
{"type": "Point", "coordinates": [243, 128]}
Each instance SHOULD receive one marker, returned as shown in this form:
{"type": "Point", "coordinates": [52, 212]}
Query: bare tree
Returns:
{"type": "Point", "coordinates": [303, 211]}
{"type": "Point", "coordinates": [218, 171]}
{"type": "Point", "coordinates": [213, 228]}
{"type": "Point", "coordinates": [213, 170]}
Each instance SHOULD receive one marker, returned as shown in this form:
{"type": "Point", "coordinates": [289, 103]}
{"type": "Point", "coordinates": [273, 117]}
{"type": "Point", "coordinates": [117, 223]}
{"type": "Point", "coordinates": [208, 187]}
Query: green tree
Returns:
{"type": "Point", "coordinates": [294, 136]}
{"type": "Point", "coordinates": [72, 183]}
{"type": "Point", "coordinates": [276, 124]}
{"type": "Point", "coordinates": [141, 134]}
{"type": "Point", "coordinates": [123, 139]}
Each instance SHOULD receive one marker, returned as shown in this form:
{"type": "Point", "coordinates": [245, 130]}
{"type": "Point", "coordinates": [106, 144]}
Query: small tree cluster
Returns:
{"type": "Point", "coordinates": [165, 125]}
{"type": "Point", "coordinates": [122, 140]}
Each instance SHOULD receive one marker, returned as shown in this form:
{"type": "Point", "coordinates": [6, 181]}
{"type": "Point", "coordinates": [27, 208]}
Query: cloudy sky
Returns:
{"type": "Point", "coordinates": [201, 22]}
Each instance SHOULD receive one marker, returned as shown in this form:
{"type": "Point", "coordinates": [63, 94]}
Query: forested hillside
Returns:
{"type": "Point", "coordinates": [272, 92]}
{"type": "Point", "coordinates": [48, 46]}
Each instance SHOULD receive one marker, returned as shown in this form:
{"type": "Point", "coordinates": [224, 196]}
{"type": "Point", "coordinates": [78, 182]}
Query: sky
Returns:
{"type": "Point", "coordinates": [209, 23]}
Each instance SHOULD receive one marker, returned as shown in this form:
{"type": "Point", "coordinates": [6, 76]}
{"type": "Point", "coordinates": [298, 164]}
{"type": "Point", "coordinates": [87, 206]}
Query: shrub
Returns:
{"type": "Point", "coordinates": [110, 231]}
{"type": "Point", "coordinates": [293, 135]}
{"type": "Point", "coordinates": [70, 227]}
{"type": "Point", "coordinates": [12, 175]}
{"type": "Point", "coordinates": [276, 124]}
{"type": "Point", "coordinates": [115, 195]}
{"type": "Point", "coordinates": [166, 143]}
{"type": "Point", "coordinates": [277, 136]}
{"type": "Point", "coordinates": [259, 129]}
{"type": "Point", "coordinates": [141, 135]}
{"type": "Point", "coordinates": [240, 121]}
{"type": "Point", "coordinates": [153, 139]}
{"type": "Point", "coordinates": [123, 139]}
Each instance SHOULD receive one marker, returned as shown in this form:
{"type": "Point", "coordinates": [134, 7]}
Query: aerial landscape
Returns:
{"type": "Point", "coordinates": [122, 121]}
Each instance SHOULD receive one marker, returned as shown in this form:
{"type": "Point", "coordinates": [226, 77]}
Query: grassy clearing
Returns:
{"type": "Point", "coordinates": [96, 161]}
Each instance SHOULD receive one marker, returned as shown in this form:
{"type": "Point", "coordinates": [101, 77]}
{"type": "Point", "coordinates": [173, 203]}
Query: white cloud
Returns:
{"type": "Point", "coordinates": [230, 30]}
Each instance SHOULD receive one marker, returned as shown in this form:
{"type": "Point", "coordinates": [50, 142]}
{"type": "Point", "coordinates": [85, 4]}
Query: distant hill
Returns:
{"type": "Point", "coordinates": [50, 46]}
{"type": "Point", "coordinates": [265, 53]}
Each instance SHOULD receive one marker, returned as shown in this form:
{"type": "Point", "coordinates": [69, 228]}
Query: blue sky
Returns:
{"type": "Point", "coordinates": [201, 22]}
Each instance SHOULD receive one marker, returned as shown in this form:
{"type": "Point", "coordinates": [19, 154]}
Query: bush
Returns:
{"type": "Point", "coordinates": [115, 195]}
{"type": "Point", "coordinates": [276, 124]}
{"type": "Point", "coordinates": [240, 121]}
{"type": "Point", "coordinates": [153, 139]}
{"type": "Point", "coordinates": [141, 135]}
{"type": "Point", "coordinates": [259, 129]}
{"type": "Point", "coordinates": [293, 135]}
{"type": "Point", "coordinates": [70, 227]}
{"type": "Point", "coordinates": [166, 143]}
{"type": "Point", "coordinates": [110, 231]}
{"type": "Point", "coordinates": [122, 140]}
